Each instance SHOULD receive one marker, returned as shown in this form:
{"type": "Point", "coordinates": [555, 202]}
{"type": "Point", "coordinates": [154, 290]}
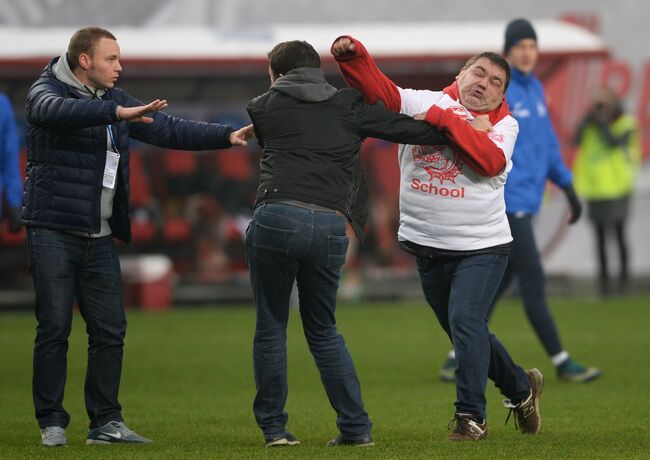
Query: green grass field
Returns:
{"type": "Point", "coordinates": [187, 383]}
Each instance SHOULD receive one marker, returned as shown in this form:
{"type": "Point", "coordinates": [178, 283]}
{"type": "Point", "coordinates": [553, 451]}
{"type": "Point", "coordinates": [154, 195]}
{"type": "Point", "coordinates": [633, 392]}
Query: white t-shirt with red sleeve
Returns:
{"type": "Point", "coordinates": [444, 203]}
{"type": "Point", "coordinates": [451, 196]}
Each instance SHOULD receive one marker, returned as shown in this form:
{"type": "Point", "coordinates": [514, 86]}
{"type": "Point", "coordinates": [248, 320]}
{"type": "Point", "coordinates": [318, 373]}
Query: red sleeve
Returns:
{"type": "Point", "coordinates": [360, 72]}
{"type": "Point", "coordinates": [481, 154]}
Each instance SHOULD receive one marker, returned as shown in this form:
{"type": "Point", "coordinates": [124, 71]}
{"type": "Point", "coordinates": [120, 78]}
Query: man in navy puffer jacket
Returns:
{"type": "Point", "coordinates": [75, 202]}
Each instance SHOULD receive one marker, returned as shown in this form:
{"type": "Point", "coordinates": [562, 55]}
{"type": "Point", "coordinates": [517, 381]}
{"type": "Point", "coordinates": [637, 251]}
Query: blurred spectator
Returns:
{"type": "Point", "coordinates": [605, 169]}
{"type": "Point", "coordinates": [380, 163]}
{"type": "Point", "coordinates": [11, 183]}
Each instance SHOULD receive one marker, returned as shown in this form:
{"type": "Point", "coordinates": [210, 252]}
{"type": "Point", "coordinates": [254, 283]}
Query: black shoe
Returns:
{"type": "Point", "coordinates": [115, 432]}
{"type": "Point", "coordinates": [286, 439]}
{"type": "Point", "coordinates": [362, 441]}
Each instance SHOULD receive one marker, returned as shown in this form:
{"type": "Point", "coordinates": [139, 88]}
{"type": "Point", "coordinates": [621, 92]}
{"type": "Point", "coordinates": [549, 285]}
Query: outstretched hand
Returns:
{"type": "Point", "coordinates": [138, 113]}
{"type": "Point", "coordinates": [240, 136]}
{"type": "Point", "coordinates": [343, 46]}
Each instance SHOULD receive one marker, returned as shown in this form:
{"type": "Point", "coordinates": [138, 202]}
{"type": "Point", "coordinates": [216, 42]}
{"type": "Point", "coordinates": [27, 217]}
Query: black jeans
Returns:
{"type": "Point", "coordinates": [603, 231]}
{"type": "Point", "coordinates": [460, 291]}
{"type": "Point", "coordinates": [65, 267]}
{"type": "Point", "coordinates": [286, 243]}
{"type": "Point", "coordinates": [526, 265]}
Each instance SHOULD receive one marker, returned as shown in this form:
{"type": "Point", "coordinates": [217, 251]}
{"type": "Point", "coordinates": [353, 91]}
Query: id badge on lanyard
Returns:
{"type": "Point", "coordinates": [112, 162]}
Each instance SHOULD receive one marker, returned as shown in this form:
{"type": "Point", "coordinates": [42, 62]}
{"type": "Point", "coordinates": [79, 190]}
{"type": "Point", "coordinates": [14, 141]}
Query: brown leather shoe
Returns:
{"type": "Point", "coordinates": [467, 428]}
{"type": "Point", "coordinates": [528, 418]}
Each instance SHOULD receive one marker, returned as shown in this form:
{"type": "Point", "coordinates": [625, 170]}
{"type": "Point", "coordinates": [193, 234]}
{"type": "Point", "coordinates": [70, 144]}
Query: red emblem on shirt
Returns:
{"type": "Point", "coordinates": [496, 136]}
{"type": "Point", "coordinates": [439, 161]}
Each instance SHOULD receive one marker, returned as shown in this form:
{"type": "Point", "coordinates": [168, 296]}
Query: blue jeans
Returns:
{"type": "Point", "coordinates": [286, 243]}
{"type": "Point", "coordinates": [526, 264]}
{"type": "Point", "coordinates": [65, 267]}
{"type": "Point", "coordinates": [460, 291]}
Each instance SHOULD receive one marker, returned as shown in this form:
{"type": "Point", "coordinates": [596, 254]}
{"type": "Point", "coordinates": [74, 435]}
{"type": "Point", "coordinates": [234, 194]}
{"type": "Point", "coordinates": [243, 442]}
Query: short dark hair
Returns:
{"type": "Point", "coordinates": [291, 55]}
{"type": "Point", "coordinates": [83, 42]}
{"type": "Point", "coordinates": [496, 59]}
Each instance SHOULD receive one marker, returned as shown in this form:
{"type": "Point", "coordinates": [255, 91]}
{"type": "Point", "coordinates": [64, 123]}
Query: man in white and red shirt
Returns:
{"type": "Point", "coordinates": [452, 218]}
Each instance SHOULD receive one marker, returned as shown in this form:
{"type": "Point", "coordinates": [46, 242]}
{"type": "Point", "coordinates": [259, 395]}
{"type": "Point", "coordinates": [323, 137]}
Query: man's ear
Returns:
{"type": "Point", "coordinates": [84, 61]}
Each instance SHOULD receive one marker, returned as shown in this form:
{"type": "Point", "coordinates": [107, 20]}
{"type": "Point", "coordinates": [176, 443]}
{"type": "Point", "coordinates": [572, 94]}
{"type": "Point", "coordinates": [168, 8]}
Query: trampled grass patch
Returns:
{"type": "Point", "coordinates": [188, 384]}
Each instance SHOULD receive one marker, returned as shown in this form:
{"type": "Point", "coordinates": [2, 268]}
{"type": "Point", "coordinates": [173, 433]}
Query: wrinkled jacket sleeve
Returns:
{"type": "Point", "coordinates": [258, 136]}
{"type": "Point", "coordinates": [558, 172]}
{"type": "Point", "coordinates": [177, 133]}
{"type": "Point", "coordinates": [48, 106]}
{"type": "Point", "coordinates": [376, 121]}
{"type": "Point", "coordinates": [482, 151]}
{"type": "Point", "coordinates": [11, 183]}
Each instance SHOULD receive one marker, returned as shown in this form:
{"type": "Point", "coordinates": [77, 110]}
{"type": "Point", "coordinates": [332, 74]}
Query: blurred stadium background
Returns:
{"type": "Point", "coordinates": [208, 58]}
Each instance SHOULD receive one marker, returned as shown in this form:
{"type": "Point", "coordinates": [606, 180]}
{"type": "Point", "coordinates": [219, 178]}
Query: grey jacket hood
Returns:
{"type": "Point", "coordinates": [306, 84]}
{"type": "Point", "coordinates": [63, 73]}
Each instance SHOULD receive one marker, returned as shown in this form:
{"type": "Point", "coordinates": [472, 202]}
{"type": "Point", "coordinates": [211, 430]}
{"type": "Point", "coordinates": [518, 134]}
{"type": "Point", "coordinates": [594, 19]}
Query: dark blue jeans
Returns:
{"type": "Point", "coordinates": [286, 243]}
{"type": "Point", "coordinates": [65, 267]}
{"type": "Point", "coordinates": [460, 291]}
{"type": "Point", "coordinates": [526, 264]}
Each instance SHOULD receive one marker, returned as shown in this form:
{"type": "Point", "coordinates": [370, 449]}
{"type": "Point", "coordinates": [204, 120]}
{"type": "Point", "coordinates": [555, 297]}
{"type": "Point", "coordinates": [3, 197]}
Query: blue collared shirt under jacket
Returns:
{"type": "Point", "coordinates": [537, 154]}
{"type": "Point", "coordinates": [11, 182]}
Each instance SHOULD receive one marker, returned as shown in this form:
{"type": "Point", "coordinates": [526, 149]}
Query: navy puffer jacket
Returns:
{"type": "Point", "coordinates": [66, 153]}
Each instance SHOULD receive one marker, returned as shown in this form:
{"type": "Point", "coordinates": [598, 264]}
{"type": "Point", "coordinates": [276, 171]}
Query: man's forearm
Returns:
{"type": "Point", "coordinates": [57, 111]}
{"type": "Point", "coordinates": [479, 152]}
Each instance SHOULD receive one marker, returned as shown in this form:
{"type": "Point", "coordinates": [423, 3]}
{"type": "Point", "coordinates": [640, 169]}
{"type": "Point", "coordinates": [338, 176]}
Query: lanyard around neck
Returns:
{"type": "Point", "coordinates": [112, 137]}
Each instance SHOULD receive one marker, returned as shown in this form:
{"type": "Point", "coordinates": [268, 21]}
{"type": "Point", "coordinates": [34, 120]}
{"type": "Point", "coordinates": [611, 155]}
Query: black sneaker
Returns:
{"type": "Point", "coordinates": [362, 441]}
{"type": "Point", "coordinates": [528, 418]}
{"type": "Point", "coordinates": [285, 439]}
{"type": "Point", "coordinates": [113, 433]}
{"type": "Point", "coordinates": [467, 428]}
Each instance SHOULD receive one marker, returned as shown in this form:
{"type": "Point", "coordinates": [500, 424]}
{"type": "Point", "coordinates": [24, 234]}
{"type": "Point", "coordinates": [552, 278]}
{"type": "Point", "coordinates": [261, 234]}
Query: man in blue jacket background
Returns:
{"type": "Point", "coordinates": [536, 158]}
{"type": "Point", "coordinates": [76, 201]}
{"type": "Point", "coordinates": [11, 183]}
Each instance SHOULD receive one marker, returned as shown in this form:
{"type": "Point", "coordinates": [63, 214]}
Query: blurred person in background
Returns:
{"type": "Point", "coordinates": [536, 159]}
{"type": "Point", "coordinates": [452, 218]}
{"type": "Point", "coordinates": [76, 201]}
{"type": "Point", "coordinates": [311, 182]}
{"type": "Point", "coordinates": [605, 168]}
{"type": "Point", "coordinates": [11, 182]}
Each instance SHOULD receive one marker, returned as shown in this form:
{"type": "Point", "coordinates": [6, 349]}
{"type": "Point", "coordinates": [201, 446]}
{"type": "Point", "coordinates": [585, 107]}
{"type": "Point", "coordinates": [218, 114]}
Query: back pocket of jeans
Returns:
{"type": "Point", "coordinates": [337, 249]}
{"type": "Point", "coordinates": [272, 239]}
